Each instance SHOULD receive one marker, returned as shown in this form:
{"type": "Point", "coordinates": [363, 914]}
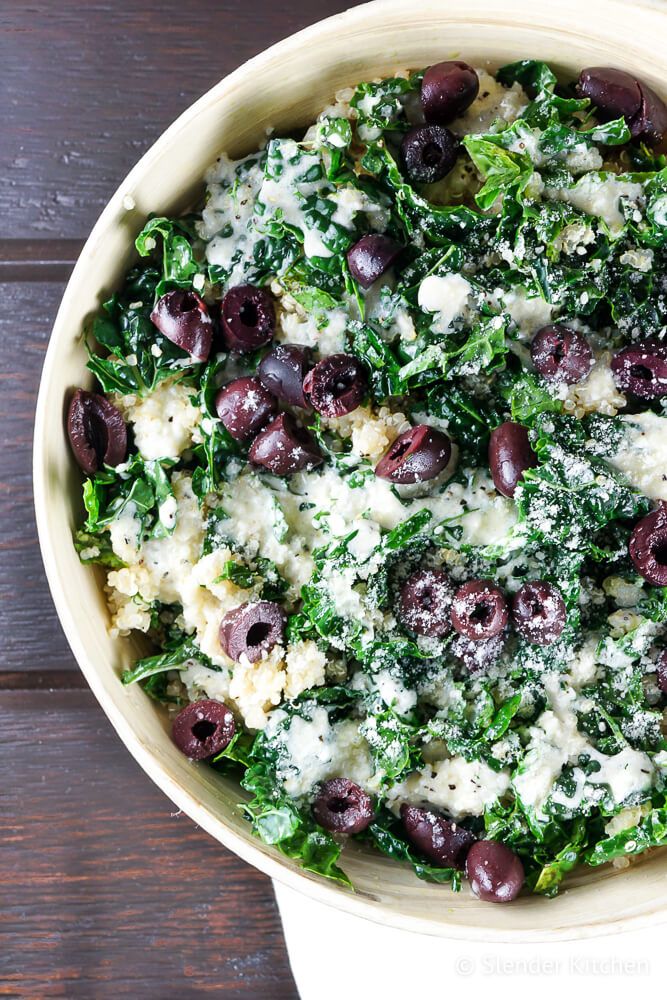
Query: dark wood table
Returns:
{"type": "Point", "coordinates": [105, 891]}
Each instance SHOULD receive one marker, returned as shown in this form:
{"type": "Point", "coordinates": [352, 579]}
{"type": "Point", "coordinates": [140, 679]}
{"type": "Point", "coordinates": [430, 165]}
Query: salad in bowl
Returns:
{"type": "Point", "coordinates": [377, 461]}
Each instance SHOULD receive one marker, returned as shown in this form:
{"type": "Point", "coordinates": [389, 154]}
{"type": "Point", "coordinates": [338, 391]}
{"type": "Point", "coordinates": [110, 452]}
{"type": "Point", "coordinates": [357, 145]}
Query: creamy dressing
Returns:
{"type": "Point", "coordinates": [556, 741]}
{"type": "Point", "coordinates": [286, 192]}
{"type": "Point", "coordinates": [642, 455]}
{"type": "Point", "coordinates": [602, 196]}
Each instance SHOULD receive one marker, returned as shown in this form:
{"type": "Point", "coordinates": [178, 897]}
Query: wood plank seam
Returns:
{"type": "Point", "coordinates": [37, 260]}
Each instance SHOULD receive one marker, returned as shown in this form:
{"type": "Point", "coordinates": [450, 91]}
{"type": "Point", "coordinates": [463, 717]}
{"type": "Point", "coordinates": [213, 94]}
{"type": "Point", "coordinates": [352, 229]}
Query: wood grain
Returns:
{"type": "Point", "coordinates": [32, 638]}
{"type": "Point", "coordinates": [104, 890]}
{"type": "Point", "coordinates": [88, 88]}
{"type": "Point", "coordinates": [38, 260]}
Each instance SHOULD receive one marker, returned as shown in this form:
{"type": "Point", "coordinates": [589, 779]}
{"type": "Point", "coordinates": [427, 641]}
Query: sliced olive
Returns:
{"type": "Point", "coordinates": [648, 547]}
{"type": "Point", "coordinates": [416, 456]}
{"type": "Point", "coordinates": [183, 318]}
{"type": "Point", "coordinates": [336, 385]}
{"type": "Point", "coordinates": [252, 630]}
{"type": "Point", "coordinates": [479, 610]}
{"type": "Point", "coordinates": [343, 807]}
{"type": "Point", "coordinates": [248, 318]}
{"type": "Point", "coordinates": [244, 406]}
{"type": "Point", "coordinates": [428, 153]}
{"type": "Point", "coordinates": [561, 354]}
{"type": "Point", "coordinates": [425, 602]}
{"type": "Point", "coordinates": [283, 447]}
{"type": "Point", "coordinates": [96, 430]}
{"type": "Point", "coordinates": [538, 612]}
{"type": "Point", "coordinates": [641, 371]}
{"type": "Point", "coordinates": [203, 729]}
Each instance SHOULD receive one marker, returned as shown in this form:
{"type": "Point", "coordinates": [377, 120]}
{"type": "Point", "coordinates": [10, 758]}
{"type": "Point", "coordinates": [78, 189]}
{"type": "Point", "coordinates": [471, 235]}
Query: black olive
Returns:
{"type": "Point", "coordinates": [425, 602]}
{"type": "Point", "coordinates": [538, 612]}
{"type": "Point", "coordinates": [183, 318]}
{"type": "Point", "coordinates": [428, 153]}
{"type": "Point", "coordinates": [479, 610]}
{"type": "Point", "coordinates": [641, 371]}
{"type": "Point", "coordinates": [561, 354]}
{"type": "Point", "coordinates": [343, 807]}
{"type": "Point", "coordinates": [648, 547]}
{"type": "Point", "coordinates": [510, 454]}
{"type": "Point", "coordinates": [618, 94]}
{"type": "Point", "coordinates": [248, 318]}
{"type": "Point", "coordinates": [447, 90]}
{"type": "Point", "coordinates": [244, 406]}
{"type": "Point", "coordinates": [96, 431]}
{"type": "Point", "coordinates": [495, 873]}
{"type": "Point", "coordinates": [252, 630]}
{"type": "Point", "coordinates": [415, 456]}
{"type": "Point", "coordinates": [336, 385]}
{"type": "Point", "coordinates": [283, 370]}
{"type": "Point", "coordinates": [440, 840]}
{"type": "Point", "coordinates": [203, 729]}
{"type": "Point", "coordinates": [283, 447]}
{"type": "Point", "coordinates": [370, 257]}
{"type": "Point", "coordinates": [615, 93]}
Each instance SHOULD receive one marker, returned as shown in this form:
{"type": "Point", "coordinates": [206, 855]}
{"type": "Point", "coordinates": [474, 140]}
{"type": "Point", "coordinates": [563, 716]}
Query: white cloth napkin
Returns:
{"type": "Point", "coordinates": [335, 956]}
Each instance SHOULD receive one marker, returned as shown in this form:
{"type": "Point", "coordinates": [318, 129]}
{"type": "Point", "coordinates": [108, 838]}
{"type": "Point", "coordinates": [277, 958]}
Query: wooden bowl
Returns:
{"type": "Point", "coordinates": [286, 87]}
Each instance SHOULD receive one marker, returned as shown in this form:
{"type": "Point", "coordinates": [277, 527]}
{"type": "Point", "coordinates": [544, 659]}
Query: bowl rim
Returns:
{"type": "Point", "coordinates": [318, 889]}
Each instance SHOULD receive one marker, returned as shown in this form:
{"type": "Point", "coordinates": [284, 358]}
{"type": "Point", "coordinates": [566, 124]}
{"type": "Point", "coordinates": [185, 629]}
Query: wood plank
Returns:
{"type": "Point", "coordinates": [38, 260]}
{"type": "Point", "coordinates": [105, 891]}
{"type": "Point", "coordinates": [46, 680]}
{"type": "Point", "coordinates": [32, 637]}
{"type": "Point", "coordinates": [86, 90]}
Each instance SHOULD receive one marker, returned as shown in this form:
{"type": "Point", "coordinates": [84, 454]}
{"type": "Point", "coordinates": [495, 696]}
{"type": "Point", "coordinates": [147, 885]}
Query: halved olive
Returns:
{"type": "Point", "coordinates": [182, 317]}
{"type": "Point", "coordinates": [283, 447]}
{"type": "Point", "coordinates": [495, 873]}
{"type": "Point", "coordinates": [203, 729]}
{"type": "Point", "coordinates": [96, 430]}
{"type": "Point", "coordinates": [336, 385]}
{"type": "Point", "coordinates": [415, 456]}
{"type": "Point", "coordinates": [428, 153]}
{"type": "Point", "coordinates": [440, 840]}
{"type": "Point", "coordinates": [370, 257]}
{"type": "Point", "coordinates": [248, 318]}
{"type": "Point", "coordinates": [252, 630]}
{"type": "Point", "coordinates": [342, 806]}
{"type": "Point", "coordinates": [510, 454]}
